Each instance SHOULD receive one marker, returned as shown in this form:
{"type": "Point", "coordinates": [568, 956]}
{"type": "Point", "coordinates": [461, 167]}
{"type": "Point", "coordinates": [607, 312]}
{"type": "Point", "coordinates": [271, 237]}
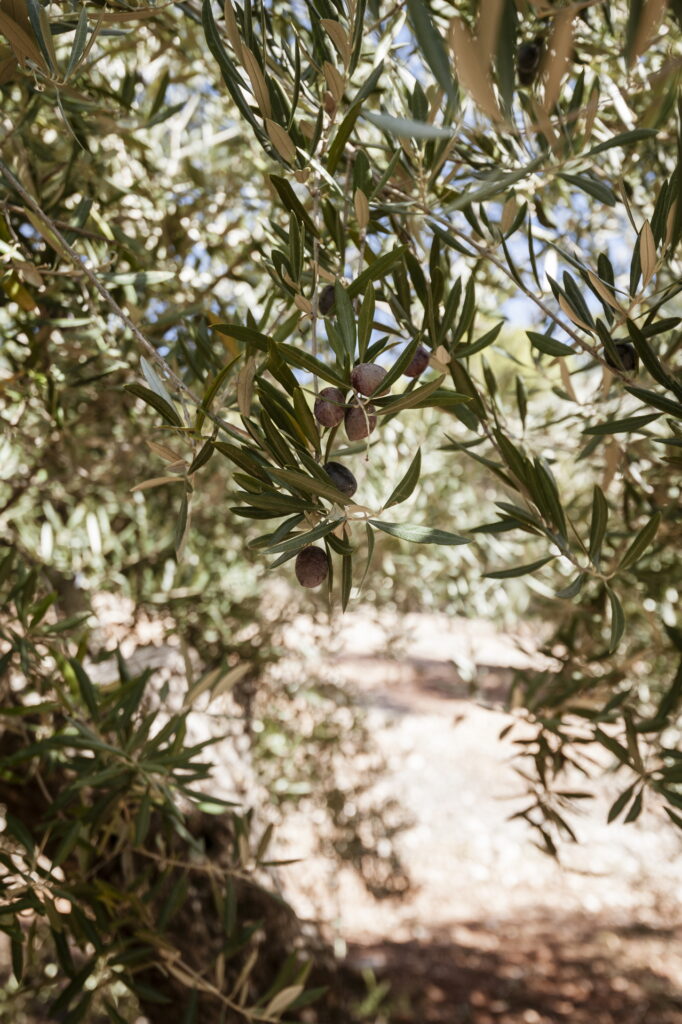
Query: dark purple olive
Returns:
{"type": "Point", "coordinates": [360, 421]}
{"type": "Point", "coordinates": [528, 58]}
{"type": "Point", "coordinates": [367, 377]}
{"type": "Point", "coordinates": [329, 407]}
{"type": "Point", "coordinates": [327, 299]}
{"type": "Point", "coordinates": [312, 567]}
{"type": "Point", "coordinates": [342, 478]}
{"type": "Point", "coordinates": [629, 360]}
{"type": "Point", "coordinates": [418, 363]}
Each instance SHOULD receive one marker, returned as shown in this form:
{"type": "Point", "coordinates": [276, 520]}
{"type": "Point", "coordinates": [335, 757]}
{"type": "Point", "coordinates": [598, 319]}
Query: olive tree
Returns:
{"type": "Point", "coordinates": [262, 239]}
{"type": "Point", "coordinates": [468, 156]}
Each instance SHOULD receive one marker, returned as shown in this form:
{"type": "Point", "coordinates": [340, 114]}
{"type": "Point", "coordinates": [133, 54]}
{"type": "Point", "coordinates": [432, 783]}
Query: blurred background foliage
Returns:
{"type": "Point", "coordinates": [517, 215]}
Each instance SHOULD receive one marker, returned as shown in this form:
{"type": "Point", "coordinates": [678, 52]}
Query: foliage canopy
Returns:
{"type": "Point", "coordinates": [209, 216]}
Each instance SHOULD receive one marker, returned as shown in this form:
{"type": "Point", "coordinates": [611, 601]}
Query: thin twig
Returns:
{"type": "Point", "coordinates": [315, 297]}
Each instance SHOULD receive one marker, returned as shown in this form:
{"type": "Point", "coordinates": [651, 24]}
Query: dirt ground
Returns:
{"type": "Point", "coordinates": [492, 931]}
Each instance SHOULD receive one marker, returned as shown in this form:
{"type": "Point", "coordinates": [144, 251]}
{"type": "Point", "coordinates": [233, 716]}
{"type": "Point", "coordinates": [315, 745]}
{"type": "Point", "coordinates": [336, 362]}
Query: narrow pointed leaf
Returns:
{"type": "Point", "coordinates": [573, 588]}
{"type": "Point", "coordinates": [301, 540]}
{"type": "Point", "coordinates": [549, 346]}
{"type": "Point", "coordinates": [419, 534]}
{"type": "Point", "coordinates": [630, 424]}
{"type": "Point", "coordinates": [617, 620]}
{"type": "Point", "coordinates": [641, 542]}
{"type": "Point", "coordinates": [519, 570]}
{"type": "Point", "coordinates": [600, 513]}
{"type": "Point", "coordinates": [165, 410]}
{"type": "Point", "coordinates": [408, 483]}
{"type": "Point", "coordinates": [432, 47]}
{"type": "Point", "coordinates": [407, 128]}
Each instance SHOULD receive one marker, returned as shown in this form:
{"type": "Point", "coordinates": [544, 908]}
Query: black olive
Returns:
{"type": "Point", "coordinates": [418, 363]}
{"type": "Point", "coordinates": [528, 58]}
{"type": "Point", "coordinates": [342, 478]}
{"type": "Point", "coordinates": [312, 567]}
{"type": "Point", "coordinates": [327, 299]}
{"type": "Point", "coordinates": [629, 360]}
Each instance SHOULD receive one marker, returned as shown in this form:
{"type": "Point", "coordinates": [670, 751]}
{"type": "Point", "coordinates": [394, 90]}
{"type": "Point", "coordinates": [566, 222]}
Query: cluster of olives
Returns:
{"type": "Point", "coordinates": [359, 418]}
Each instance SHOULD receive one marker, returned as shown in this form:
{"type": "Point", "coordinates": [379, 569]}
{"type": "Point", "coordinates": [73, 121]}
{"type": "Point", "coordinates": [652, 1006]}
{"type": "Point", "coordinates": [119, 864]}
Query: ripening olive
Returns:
{"type": "Point", "coordinates": [627, 355]}
{"type": "Point", "coordinates": [418, 363]}
{"type": "Point", "coordinates": [367, 377]}
{"type": "Point", "coordinates": [312, 566]}
{"type": "Point", "coordinates": [528, 58]}
{"type": "Point", "coordinates": [329, 407]}
{"type": "Point", "coordinates": [360, 421]}
{"type": "Point", "coordinates": [327, 299]}
{"type": "Point", "coordinates": [342, 478]}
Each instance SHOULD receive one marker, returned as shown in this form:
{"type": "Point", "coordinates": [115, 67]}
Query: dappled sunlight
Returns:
{"type": "Point", "coordinates": [340, 437]}
{"type": "Point", "coordinates": [491, 929]}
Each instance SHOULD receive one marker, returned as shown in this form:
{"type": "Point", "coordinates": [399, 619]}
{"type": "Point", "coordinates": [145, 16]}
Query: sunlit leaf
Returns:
{"type": "Point", "coordinates": [419, 534]}
{"type": "Point", "coordinates": [406, 486]}
{"type": "Point", "coordinates": [519, 570]}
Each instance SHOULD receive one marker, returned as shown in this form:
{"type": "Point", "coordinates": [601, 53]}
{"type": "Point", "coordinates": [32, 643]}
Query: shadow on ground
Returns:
{"type": "Point", "coordinates": [557, 970]}
{"type": "Point", "coordinates": [491, 931]}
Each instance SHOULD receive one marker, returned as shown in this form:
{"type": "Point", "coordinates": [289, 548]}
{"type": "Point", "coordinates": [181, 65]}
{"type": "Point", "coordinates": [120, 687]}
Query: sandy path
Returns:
{"type": "Point", "coordinates": [480, 886]}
